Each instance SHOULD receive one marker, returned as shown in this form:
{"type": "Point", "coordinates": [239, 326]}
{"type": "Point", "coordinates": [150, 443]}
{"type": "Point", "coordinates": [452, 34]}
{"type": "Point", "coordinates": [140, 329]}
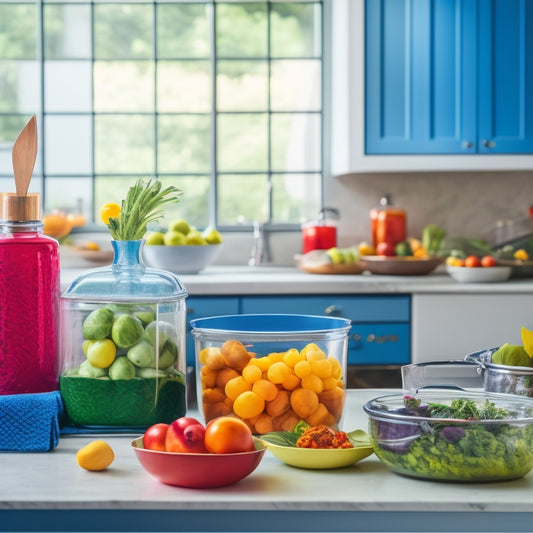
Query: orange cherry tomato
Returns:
{"type": "Point", "coordinates": [488, 261]}
{"type": "Point", "coordinates": [472, 261]}
{"type": "Point", "coordinates": [227, 434]}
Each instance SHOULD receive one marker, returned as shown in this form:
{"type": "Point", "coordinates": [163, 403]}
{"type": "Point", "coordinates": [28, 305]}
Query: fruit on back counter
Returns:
{"type": "Point", "coordinates": [181, 233]}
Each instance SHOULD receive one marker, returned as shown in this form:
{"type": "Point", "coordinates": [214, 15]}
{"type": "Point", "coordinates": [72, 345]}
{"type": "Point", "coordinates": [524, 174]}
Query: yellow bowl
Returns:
{"type": "Point", "coordinates": [323, 459]}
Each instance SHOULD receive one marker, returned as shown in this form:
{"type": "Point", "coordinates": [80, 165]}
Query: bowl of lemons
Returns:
{"type": "Point", "coordinates": [181, 248]}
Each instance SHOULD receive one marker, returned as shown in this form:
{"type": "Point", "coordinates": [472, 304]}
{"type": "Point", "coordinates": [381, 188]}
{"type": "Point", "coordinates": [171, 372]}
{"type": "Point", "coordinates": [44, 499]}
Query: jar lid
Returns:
{"type": "Point", "coordinates": [20, 208]}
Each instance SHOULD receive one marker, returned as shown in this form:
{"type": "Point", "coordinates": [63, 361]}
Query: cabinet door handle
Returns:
{"type": "Point", "coordinates": [332, 310]}
{"type": "Point", "coordinates": [465, 145]}
{"type": "Point", "coordinates": [488, 144]}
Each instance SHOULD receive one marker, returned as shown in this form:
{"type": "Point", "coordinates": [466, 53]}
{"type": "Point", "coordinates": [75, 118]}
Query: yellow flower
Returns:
{"type": "Point", "coordinates": [110, 210]}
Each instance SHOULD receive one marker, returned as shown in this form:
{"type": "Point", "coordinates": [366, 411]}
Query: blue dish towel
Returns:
{"type": "Point", "coordinates": [30, 422]}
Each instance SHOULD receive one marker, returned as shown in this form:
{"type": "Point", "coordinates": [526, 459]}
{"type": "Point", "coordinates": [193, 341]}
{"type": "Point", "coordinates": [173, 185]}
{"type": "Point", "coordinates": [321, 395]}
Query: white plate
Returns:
{"type": "Point", "coordinates": [479, 274]}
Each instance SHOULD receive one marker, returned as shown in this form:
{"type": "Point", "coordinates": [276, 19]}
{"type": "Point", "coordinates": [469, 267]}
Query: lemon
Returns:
{"type": "Point", "coordinates": [527, 341]}
{"type": "Point", "coordinates": [97, 455]}
{"type": "Point", "coordinates": [110, 210]}
{"type": "Point", "coordinates": [101, 353]}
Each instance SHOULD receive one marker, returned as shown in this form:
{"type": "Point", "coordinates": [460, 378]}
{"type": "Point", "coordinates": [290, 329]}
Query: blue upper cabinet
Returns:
{"type": "Point", "coordinates": [448, 76]}
{"type": "Point", "coordinates": [505, 76]}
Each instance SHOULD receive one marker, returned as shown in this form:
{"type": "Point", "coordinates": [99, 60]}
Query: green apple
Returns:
{"type": "Point", "coordinates": [212, 236]}
{"type": "Point", "coordinates": [194, 237]}
{"type": "Point", "coordinates": [174, 238]}
{"type": "Point", "coordinates": [180, 225]}
{"type": "Point", "coordinates": [336, 255]}
{"type": "Point", "coordinates": [154, 237]}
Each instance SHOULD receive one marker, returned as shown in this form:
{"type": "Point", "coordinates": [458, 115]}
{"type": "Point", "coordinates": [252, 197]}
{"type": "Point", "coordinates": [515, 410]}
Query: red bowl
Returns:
{"type": "Point", "coordinates": [199, 470]}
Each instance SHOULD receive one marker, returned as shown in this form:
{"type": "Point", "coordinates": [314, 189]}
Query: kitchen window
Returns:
{"type": "Point", "coordinates": [222, 99]}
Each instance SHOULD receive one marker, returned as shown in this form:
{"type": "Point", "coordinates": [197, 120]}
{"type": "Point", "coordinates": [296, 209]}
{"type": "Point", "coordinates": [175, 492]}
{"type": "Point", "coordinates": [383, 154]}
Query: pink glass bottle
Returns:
{"type": "Point", "coordinates": [29, 298]}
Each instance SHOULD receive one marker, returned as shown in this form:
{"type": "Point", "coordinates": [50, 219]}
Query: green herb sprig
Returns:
{"type": "Point", "coordinates": [143, 204]}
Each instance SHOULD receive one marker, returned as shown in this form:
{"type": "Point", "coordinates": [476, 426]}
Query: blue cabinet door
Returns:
{"type": "Point", "coordinates": [448, 76]}
{"type": "Point", "coordinates": [420, 76]}
{"type": "Point", "coordinates": [506, 76]}
{"type": "Point", "coordinates": [204, 306]}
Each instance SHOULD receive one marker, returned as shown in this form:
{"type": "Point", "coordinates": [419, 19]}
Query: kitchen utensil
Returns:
{"type": "Point", "coordinates": [489, 440]}
{"type": "Point", "coordinates": [492, 377]}
{"type": "Point", "coordinates": [401, 265]}
{"type": "Point", "coordinates": [199, 470]}
{"type": "Point", "coordinates": [272, 370]}
{"type": "Point", "coordinates": [24, 155]}
{"type": "Point", "coordinates": [493, 274]}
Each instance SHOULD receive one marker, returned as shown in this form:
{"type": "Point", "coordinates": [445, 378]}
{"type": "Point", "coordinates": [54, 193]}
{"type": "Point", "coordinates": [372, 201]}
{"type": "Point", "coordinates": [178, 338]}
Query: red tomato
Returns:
{"type": "Point", "coordinates": [227, 434]}
{"type": "Point", "coordinates": [155, 436]}
{"type": "Point", "coordinates": [385, 248]}
{"type": "Point", "coordinates": [488, 261]}
{"type": "Point", "coordinates": [472, 261]}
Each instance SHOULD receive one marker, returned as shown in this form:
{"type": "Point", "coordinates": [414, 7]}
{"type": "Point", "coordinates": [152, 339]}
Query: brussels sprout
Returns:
{"type": "Point", "coordinates": [149, 373]}
{"type": "Point", "coordinates": [145, 317]}
{"type": "Point", "coordinates": [142, 354]}
{"type": "Point", "coordinates": [127, 330]}
{"type": "Point", "coordinates": [166, 331]}
{"type": "Point", "coordinates": [87, 370]}
{"type": "Point", "coordinates": [122, 369]}
{"type": "Point", "coordinates": [98, 324]}
{"type": "Point", "coordinates": [168, 355]}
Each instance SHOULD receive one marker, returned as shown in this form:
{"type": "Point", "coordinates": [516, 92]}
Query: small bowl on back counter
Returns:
{"type": "Point", "coordinates": [401, 265]}
{"type": "Point", "coordinates": [272, 370]}
{"type": "Point", "coordinates": [463, 274]}
{"type": "Point", "coordinates": [185, 259]}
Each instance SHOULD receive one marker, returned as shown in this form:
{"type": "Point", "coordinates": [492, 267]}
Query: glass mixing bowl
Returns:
{"type": "Point", "coordinates": [452, 434]}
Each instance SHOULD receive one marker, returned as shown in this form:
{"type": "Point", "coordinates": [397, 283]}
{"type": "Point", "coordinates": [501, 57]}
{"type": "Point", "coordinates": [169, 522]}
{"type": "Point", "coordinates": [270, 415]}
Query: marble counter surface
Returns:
{"type": "Point", "coordinates": [45, 492]}
{"type": "Point", "coordinates": [237, 280]}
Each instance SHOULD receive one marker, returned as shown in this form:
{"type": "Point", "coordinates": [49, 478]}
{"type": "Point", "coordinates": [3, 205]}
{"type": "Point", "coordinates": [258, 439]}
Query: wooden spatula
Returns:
{"type": "Point", "coordinates": [24, 155]}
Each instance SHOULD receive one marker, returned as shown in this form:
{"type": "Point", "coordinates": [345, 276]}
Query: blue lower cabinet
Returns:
{"type": "Point", "coordinates": [381, 331]}
{"type": "Point", "coordinates": [204, 306]}
{"type": "Point", "coordinates": [379, 344]}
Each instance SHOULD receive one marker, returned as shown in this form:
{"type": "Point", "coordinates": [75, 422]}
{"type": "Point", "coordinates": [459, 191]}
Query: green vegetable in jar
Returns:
{"type": "Point", "coordinates": [145, 317]}
{"type": "Point", "coordinates": [127, 330]}
{"type": "Point", "coordinates": [98, 324]}
{"type": "Point", "coordinates": [87, 370]}
{"type": "Point", "coordinates": [142, 354]}
{"type": "Point", "coordinates": [121, 369]}
{"type": "Point", "coordinates": [161, 331]}
{"type": "Point", "coordinates": [168, 355]}
{"type": "Point", "coordinates": [511, 355]}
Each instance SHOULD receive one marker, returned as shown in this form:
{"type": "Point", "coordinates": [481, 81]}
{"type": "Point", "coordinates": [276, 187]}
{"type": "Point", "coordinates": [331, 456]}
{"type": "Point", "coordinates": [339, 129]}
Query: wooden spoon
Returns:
{"type": "Point", "coordinates": [24, 155]}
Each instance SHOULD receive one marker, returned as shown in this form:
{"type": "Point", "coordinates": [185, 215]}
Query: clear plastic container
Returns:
{"type": "Point", "coordinates": [272, 370]}
{"type": "Point", "coordinates": [122, 344]}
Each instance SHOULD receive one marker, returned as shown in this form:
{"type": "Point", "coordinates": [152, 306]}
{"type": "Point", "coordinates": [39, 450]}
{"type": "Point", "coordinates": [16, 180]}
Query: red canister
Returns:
{"type": "Point", "coordinates": [320, 234]}
{"type": "Point", "coordinates": [388, 223]}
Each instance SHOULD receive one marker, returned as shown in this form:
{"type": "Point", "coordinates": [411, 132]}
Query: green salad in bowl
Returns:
{"type": "Point", "coordinates": [453, 435]}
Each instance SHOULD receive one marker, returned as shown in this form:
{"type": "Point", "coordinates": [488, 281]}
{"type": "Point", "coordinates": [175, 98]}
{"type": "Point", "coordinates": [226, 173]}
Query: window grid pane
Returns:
{"type": "Point", "coordinates": [222, 98]}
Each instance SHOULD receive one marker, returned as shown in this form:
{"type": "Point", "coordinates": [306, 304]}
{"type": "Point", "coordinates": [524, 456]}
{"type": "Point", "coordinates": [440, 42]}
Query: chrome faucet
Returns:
{"type": "Point", "coordinates": [260, 248]}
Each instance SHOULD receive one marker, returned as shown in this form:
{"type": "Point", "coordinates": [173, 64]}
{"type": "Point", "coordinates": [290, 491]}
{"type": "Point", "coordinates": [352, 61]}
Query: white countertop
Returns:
{"type": "Point", "coordinates": [363, 497]}
{"type": "Point", "coordinates": [242, 280]}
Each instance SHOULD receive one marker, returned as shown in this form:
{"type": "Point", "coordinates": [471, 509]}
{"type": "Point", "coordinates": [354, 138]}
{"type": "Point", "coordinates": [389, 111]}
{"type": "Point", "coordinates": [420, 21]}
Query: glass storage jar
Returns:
{"type": "Point", "coordinates": [122, 344]}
